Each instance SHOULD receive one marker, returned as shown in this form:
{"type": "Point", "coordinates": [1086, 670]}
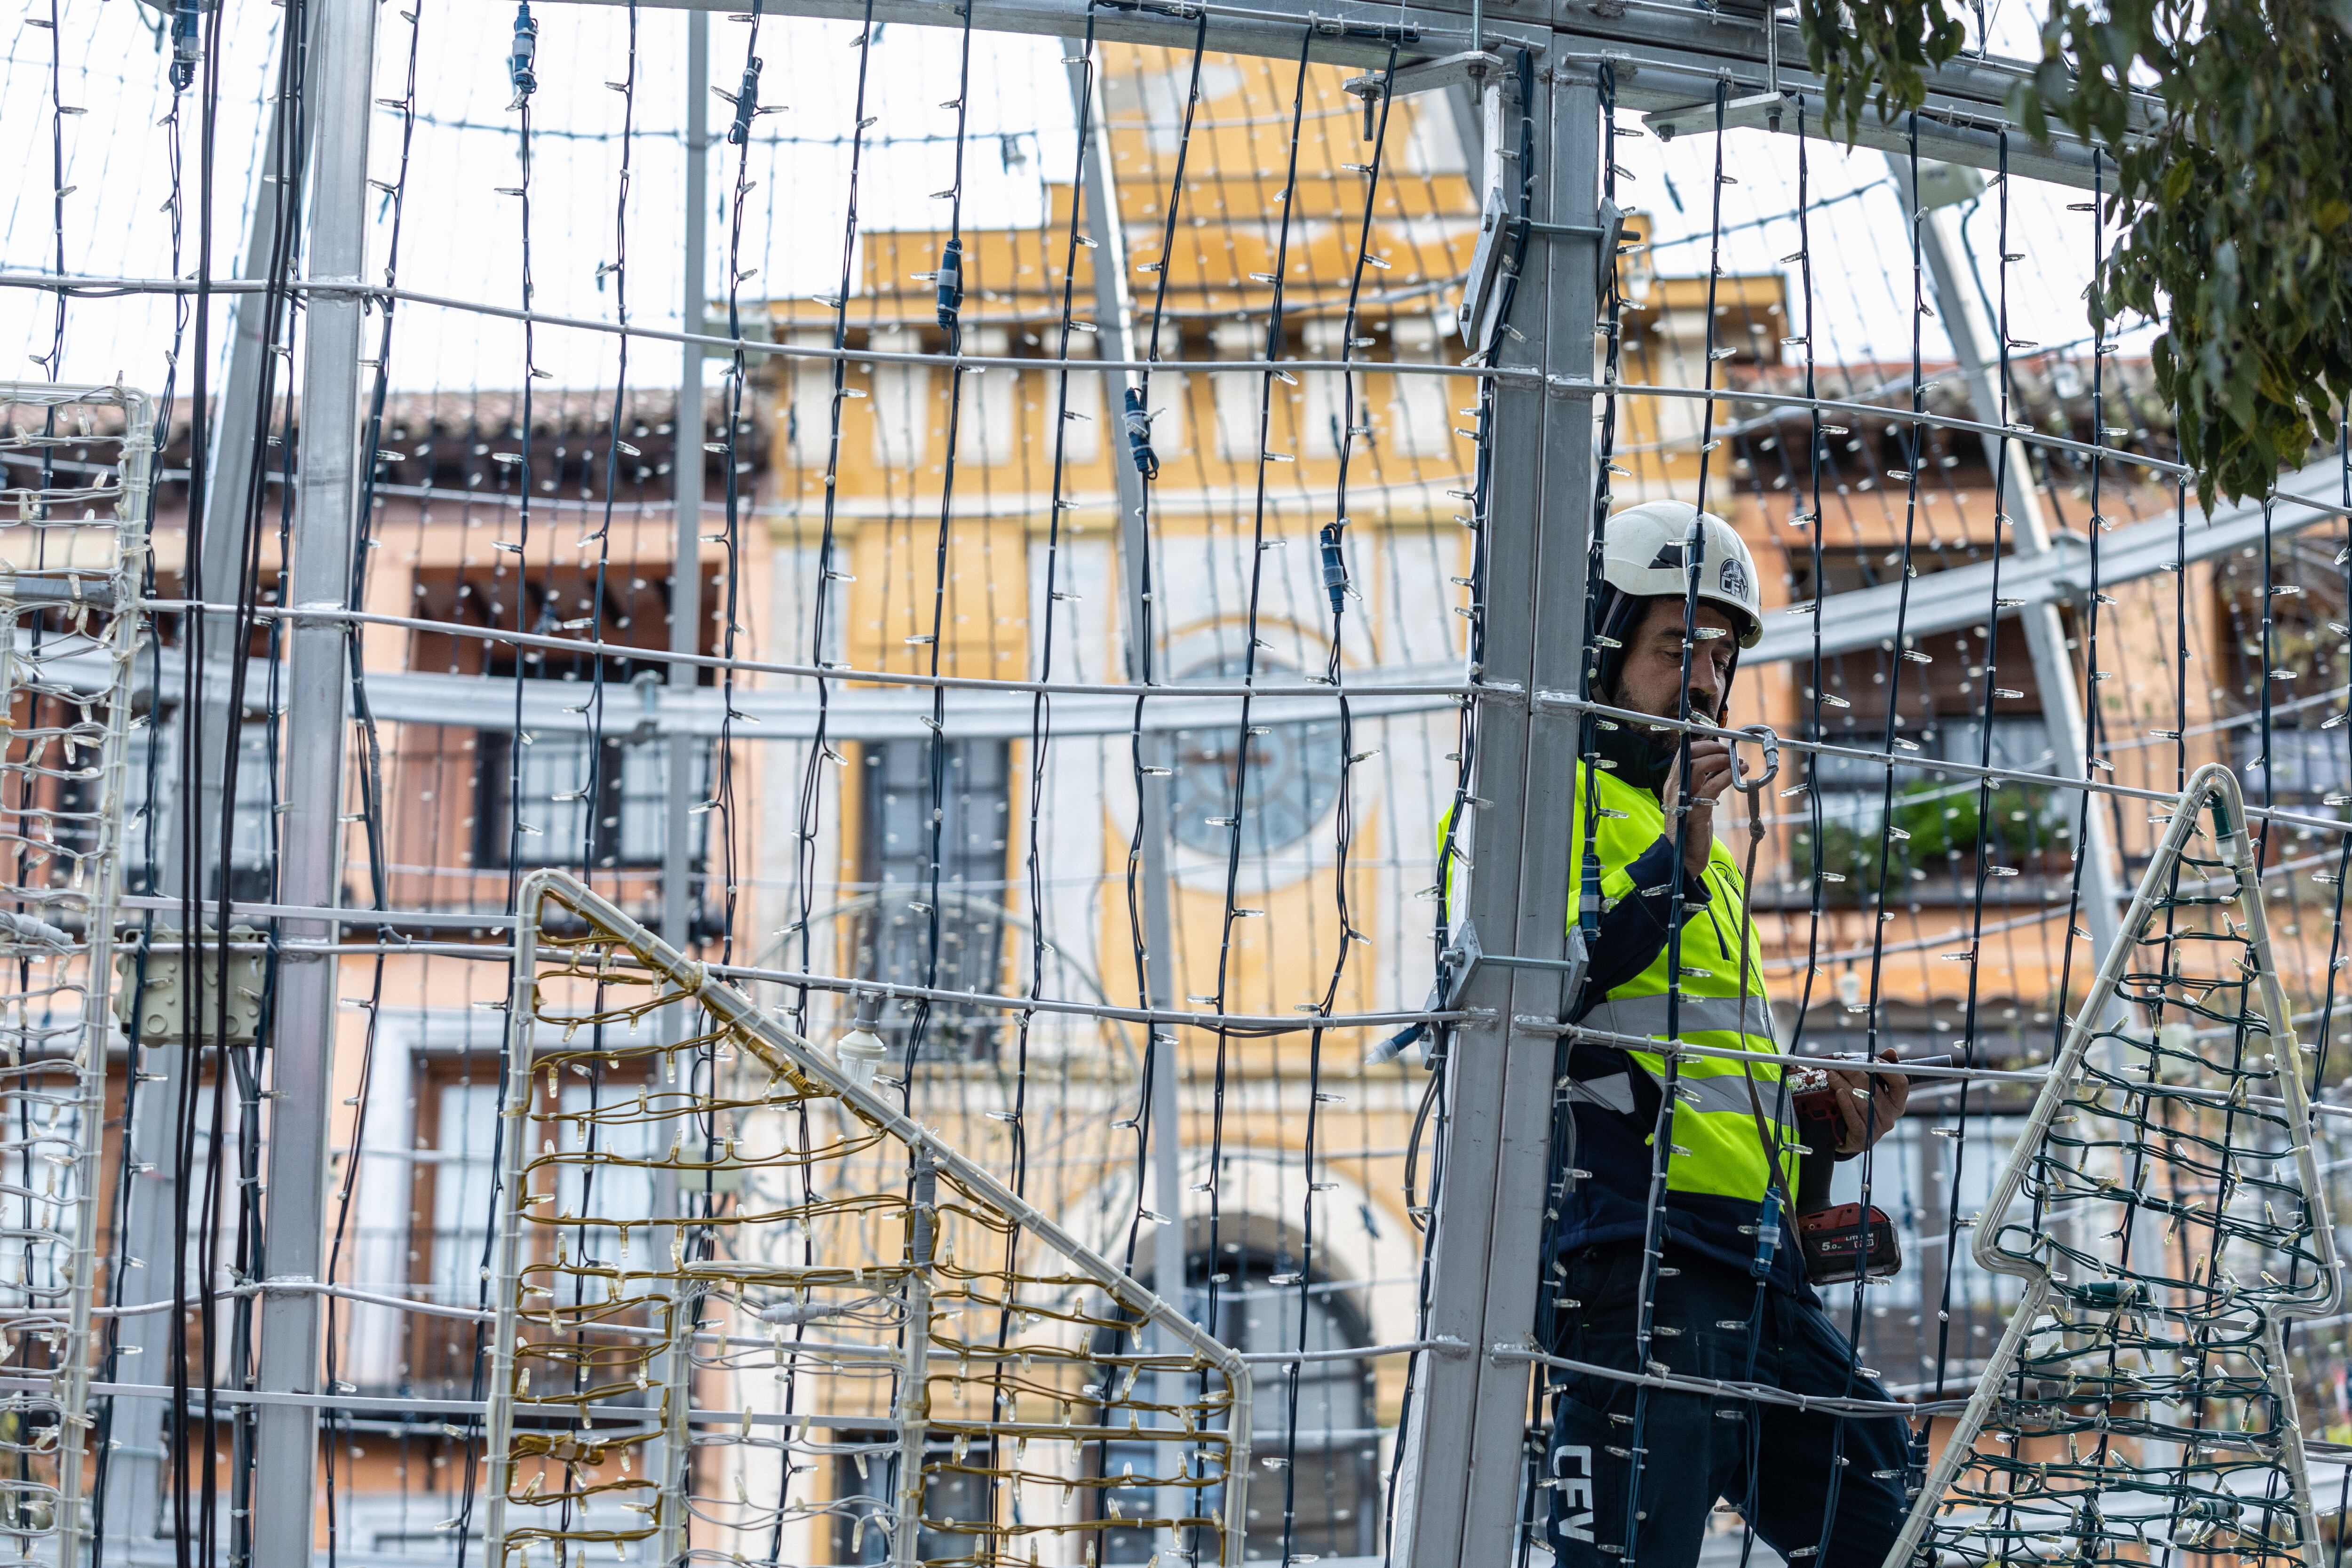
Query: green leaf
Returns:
{"type": "Point", "coordinates": [2239, 195]}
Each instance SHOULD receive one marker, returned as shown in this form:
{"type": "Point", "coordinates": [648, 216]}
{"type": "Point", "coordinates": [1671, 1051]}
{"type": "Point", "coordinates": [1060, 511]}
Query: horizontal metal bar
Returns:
{"type": "Point", "coordinates": [787, 714]}
{"type": "Point", "coordinates": [1443, 1346]}
{"type": "Point", "coordinates": [1568, 702]}
{"type": "Point", "coordinates": [1665, 56]}
{"type": "Point", "coordinates": [200, 1399]}
{"type": "Point", "coordinates": [1348, 35]}
{"type": "Point", "coordinates": [108, 287]}
{"type": "Point", "coordinates": [842, 673]}
{"type": "Point", "coordinates": [1961, 596]}
{"type": "Point", "coordinates": [473, 951]}
{"type": "Point", "coordinates": [2035, 1077]}
{"type": "Point", "coordinates": [1246, 1023]}
{"type": "Point", "coordinates": [1234, 1022]}
{"type": "Point", "coordinates": [1755, 1393]}
{"type": "Point", "coordinates": [1549, 965]}
{"type": "Point", "coordinates": [304, 912]}
{"type": "Point", "coordinates": [1429, 76]}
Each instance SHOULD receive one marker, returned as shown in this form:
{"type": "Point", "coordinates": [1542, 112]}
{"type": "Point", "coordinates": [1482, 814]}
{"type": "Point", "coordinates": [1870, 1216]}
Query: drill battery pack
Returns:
{"type": "Point", "coordinates": [1838, 1242]}
{"type": "Point", "coordinates": [1845, 1242]}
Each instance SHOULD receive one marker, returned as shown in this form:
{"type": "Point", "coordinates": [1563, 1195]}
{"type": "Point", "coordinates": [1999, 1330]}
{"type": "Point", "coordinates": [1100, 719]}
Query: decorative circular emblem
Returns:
{"type": "Point", "coordinates": [1734, 578]}
{"type": "Point", "coordinates": [1292, 775]}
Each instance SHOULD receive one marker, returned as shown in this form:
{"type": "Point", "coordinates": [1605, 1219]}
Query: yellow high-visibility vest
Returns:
{"type": "Point", "coordinates": [1713, 1117]}
{"type": "Point", "coordinates": [1715, 1149]}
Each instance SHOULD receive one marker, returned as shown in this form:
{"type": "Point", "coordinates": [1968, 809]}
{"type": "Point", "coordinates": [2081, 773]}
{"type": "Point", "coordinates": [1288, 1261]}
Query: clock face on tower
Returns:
{"type": "Point", "coordinates": [1291, 778]}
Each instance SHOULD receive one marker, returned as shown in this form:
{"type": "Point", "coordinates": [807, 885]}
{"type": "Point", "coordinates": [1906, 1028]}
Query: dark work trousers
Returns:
{"type": "Point", "coordinates": [1824, 1491]}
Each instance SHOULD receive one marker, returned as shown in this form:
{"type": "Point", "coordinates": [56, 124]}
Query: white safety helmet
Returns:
{"type": "Point", "coordinates": [1643, 558]}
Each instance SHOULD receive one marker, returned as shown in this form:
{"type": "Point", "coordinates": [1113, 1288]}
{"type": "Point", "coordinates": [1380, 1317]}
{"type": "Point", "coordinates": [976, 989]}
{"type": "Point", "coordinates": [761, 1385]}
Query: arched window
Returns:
{"type": "Point", "coordinates": [1331, 1485]}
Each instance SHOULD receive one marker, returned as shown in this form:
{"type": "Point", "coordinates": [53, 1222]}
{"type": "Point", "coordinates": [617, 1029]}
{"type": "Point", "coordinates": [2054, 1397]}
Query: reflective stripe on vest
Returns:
{"type": "Point", "coordinates": [1714, 1132]}
{"type": "Point", "coordinates": [1694, 1015]}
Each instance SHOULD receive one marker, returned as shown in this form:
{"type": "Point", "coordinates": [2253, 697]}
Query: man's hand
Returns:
{"type": "Point", "coordinates": [1868, 1104]}
{"type": "Point", "coordinates": [1710, 775]}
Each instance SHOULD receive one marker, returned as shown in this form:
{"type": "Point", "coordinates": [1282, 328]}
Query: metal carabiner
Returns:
{"type": "Point", "coordinates": [1763, 735]}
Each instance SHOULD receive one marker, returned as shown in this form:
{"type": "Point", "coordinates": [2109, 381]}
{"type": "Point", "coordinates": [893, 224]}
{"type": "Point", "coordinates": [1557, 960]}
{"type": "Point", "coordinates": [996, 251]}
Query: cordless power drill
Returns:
{"type": "Point", "coordinates": [1839, 1242]}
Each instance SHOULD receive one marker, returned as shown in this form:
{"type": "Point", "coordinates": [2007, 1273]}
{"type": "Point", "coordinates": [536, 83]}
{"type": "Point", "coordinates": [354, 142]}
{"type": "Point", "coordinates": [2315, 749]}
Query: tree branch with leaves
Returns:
{"type": "Point", "coordinates": [2235, 204]}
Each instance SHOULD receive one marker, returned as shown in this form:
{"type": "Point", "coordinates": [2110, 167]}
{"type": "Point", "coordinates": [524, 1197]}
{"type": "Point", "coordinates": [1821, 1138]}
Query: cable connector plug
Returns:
{"type": "Point", "coordinates": [522, 56]}
{"type": "Point", "coordinates": [187, 43]}
{"type": "Point", "coordinates": [1335, 565]}
{"type": "Point", "coordinates": [950, 282]}
{"type": "Point", "coordinates": [747, 104]}
{"type": "Point", "coordinates": [1138, 422]}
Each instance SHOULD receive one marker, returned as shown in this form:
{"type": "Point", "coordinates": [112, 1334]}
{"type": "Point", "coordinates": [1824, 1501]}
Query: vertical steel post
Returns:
{"type": "Point", "coordinates": [134, 1471]}
{"type": "Point", "coordinates": [911, 1410]}
{"type": "Point", "coordinates": [317, 690]}
{"type": "Point", "coordinates": [1115, 323]}
{"type": "Point", "coordinates": [673, 1458]}
{"type": "Point", "coordinates": [1976, 346]}
{"type": "Point", "coordinates": [1467, 1444]}
{"type": "Point", "coordinates": [1564, 308]}
{"type": "Point", "coordinates": [686, 473]}
{"type": "Point", "coordinates": [238, 428]}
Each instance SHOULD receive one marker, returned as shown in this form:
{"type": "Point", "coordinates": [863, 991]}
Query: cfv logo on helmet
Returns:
{"type": "Point", "coordinates": [1734, 578]}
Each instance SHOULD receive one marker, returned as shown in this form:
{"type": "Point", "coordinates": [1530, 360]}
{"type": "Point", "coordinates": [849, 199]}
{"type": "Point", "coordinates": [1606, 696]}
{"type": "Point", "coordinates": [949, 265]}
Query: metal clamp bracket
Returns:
{"type": "Point", "coordinates": [1610, 232]}
{"type": "Point", "coordinates": [1457, 963]}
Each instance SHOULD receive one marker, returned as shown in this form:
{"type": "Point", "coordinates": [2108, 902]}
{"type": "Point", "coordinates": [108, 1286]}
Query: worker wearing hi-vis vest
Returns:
{"type": "Point", "coordinates": [1634, 1472]}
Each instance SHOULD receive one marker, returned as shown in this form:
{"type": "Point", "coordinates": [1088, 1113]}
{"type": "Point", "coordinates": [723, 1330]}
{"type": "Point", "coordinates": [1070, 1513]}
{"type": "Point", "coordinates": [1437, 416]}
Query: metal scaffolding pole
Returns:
{"type": "Point", "coordinates": [318, 691]}
{"type": "Point", "coordinates": [686, 472]}
{"type": "Point", "coordinates": [1466, 1443]}
{"type": "Point", "coordinates": [1976, 344]}
{"type": "Point", "coordinates": [134, 1469]}
{"type": "Point", "coordinates": [1114, 321]}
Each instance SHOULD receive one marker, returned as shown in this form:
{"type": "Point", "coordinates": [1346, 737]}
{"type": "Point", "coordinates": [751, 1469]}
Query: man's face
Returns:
{"type": "Point", "coordinates": [1651, 679]}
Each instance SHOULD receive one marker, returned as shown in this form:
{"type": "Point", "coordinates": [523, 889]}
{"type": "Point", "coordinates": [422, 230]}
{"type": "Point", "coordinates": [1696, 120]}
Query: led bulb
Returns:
{"type": "Point", "coordinates": [861, 1050]}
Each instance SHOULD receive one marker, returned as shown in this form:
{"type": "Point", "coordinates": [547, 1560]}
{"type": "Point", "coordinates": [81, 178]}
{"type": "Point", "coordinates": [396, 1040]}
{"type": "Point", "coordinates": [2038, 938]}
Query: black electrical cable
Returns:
{"type": "Point", "coordinates": [1335, 583]}
{"type": "Point", "coordinates": [1144, 673]}
{"type": "Point", "coordinates": [1237, 794]}
{"type": "Point", "coordinates": [949, 284]}
{"type": "Point", "coordinates": [1970, 1022]}
{"type": "Point", "coordinates": [1662, 1139]}
{"type": "Point", "coordinates": [820, 746]}
{"type": "Point", "coordinates": [371, 755]}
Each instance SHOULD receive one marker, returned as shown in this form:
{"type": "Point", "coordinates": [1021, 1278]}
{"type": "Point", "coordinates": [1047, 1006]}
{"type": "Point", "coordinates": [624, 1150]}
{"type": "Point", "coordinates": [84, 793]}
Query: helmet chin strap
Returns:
{"type": "Point", "coordinates": [1616, 623]}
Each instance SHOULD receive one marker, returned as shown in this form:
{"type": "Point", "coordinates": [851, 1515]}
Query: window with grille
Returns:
{"type": "Point", "coordinates": [964, 915]}
{"type": "Point", "coordinates": [581, 798]}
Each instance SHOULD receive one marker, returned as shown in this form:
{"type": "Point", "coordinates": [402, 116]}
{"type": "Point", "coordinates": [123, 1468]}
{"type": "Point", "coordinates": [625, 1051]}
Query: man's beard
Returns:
{"type": "Point", "coordinates": [1664, 740]}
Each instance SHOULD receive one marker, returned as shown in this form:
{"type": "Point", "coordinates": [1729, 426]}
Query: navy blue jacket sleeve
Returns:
{"type": "Point", "coordinates": [1634, 932]}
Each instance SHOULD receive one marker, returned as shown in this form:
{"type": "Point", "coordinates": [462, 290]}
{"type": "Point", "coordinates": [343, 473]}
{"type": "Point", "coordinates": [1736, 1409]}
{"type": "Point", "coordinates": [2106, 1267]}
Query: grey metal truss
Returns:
{"type": "Point", "coordinates": [1666, 55]}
